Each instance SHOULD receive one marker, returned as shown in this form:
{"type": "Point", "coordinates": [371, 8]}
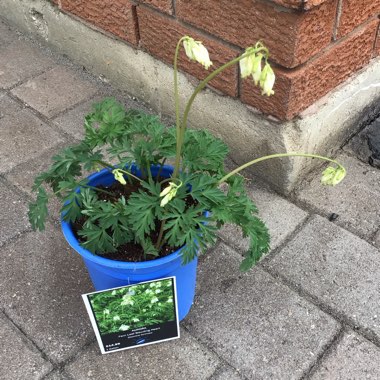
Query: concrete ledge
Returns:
{"type": "Point", "coordinates": [321, 129]}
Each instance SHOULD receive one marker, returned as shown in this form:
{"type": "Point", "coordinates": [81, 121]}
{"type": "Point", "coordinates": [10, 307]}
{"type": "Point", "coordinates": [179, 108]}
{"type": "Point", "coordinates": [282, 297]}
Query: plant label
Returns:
{"type": "Point", "coordinates": [134, 315]}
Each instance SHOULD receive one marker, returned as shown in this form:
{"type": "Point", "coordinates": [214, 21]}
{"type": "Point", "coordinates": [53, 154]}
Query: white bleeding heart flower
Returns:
{"type": "Point", "coordinates": [196, 51]}
{"type": "Point", "coordinates": [267, 80]}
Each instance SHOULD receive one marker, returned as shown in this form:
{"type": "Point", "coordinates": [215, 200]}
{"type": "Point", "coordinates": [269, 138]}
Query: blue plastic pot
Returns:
{"type": "Point", "coordinates": [106, 274]}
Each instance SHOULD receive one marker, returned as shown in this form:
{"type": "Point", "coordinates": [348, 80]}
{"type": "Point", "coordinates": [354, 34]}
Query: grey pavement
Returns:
{"type": "Point", "coordinates": [309, 310]}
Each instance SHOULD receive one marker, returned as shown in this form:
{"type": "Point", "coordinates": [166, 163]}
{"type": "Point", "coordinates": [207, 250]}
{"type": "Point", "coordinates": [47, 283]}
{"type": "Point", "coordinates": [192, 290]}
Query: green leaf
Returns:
{"type": "Point", "coordinates": [204, 189]}
{"type": "Point", "coordinates": [247, 264]}
{"type": "Point", "coordinates": [97, 240]}
{"type": "Point", "coordinates": [258, 233]}
{"type": "Point", "coordinates": [143, 209]}
{"type": "Point", "coordinates": [240, 210]}
{"type": "Point", "coordinates": [148, 247]}
{"type": "Point", "coordinates": [189, 228]}
{"type": "Point", "coordinates": [203, 152]}
{"type": "Point", "coordinates": [71, 209]}
{"type": "Point", "coordinates": [38, 211]}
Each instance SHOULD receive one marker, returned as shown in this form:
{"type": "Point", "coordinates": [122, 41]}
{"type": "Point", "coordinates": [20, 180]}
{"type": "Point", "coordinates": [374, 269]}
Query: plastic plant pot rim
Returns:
{"type": "Point", "coordinates": [72, 240]}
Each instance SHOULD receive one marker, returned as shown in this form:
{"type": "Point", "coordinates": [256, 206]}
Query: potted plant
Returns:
{"type": "Point", "coordinates": [139, 219]}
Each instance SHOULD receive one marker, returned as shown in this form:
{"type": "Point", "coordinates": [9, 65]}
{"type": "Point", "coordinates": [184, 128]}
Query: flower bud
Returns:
{"type": "Point", "coordinates": [169, 193]}
{"type": "Point", "coordinates": [332, 176]}
{"type": "Point", "coordinates": [119, 176]}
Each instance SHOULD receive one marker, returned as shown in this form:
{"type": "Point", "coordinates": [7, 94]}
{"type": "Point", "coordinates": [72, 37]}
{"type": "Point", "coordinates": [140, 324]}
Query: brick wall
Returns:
{"type": "Point", "coordinates": [314, 44]}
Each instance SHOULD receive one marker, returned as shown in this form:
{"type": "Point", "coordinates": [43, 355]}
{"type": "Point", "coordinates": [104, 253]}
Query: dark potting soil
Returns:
{"type": "Point", "coordinates": [130, 251]}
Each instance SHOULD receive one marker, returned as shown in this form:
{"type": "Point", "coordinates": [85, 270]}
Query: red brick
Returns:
{"type": "Point", "coordinates": [354, 13]}
{"type": "Point", "coordinates": [116, 17]}
{"type": "Point", "coordinates": [164, 5]}
{"type": "Point", "coordinates": [159, 35]}
{"type": "Point", "coordinates": [297, 89]}
{"type": "Point", "coordinates": [292, 37]}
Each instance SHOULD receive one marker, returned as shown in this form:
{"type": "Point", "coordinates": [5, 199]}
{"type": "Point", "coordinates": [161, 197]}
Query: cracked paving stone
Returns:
{"type": "Point", "coordinates": [366, 144]}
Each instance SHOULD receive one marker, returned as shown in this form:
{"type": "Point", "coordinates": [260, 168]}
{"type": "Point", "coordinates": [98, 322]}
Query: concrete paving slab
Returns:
{"type": "Point", "coordinates": [58, 375]}
{"type": "Point", "coordinates": [23, 175]}
{"type": "Point", "coordinates": [8, 107]}
{"type": "Point", "coordinates": [256, 324]}
{"type": "Point", "coordinates": [272, 209]}
{"type": "Point", "coordinates": [180, 359]}
{"type": "Point", "coordinates": [337, 268]}
{"type": "Point", "coordinates": [377, 239]}
{"type": "Point", "coordinates": [19, 360]}
{"type": "Point", "coordinates": [226, 373]}
{"type": "Point", "coordinates": [354, 358]}
{"type": "Point", "coordinates": [23, 178]}
{"type": "Point", "coordinates": [55, 90]}
{"type": "Point", "coordinates": [13, 217]}
{"type": "Point", "coordinates": [22, 135]}
{"type": "Point", "coordinates": [7, 35]}
{"type": "Point", "coordinates": [356, 200]}
{"type": "Point", "coordinates": [72, 121]}
{"type": "Point", "coordinates": [19, 61]}
{"type": "Point", "coordinates": [41, 291]}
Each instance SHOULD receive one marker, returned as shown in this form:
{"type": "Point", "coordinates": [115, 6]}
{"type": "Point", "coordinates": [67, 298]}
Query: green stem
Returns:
{"type": "Point", "coordinates": [96, 189]}
{"type": "Point", "coordinates": [177, 163]}
{"type": "Point", "coordinates": [107, 165]}
{"type": "Point", "coordinates": [160, 169]}
{"type": "Point", "coordinates": [149, 171]}
{"type": "Point", "coordinates": [176, 101]}
{"type": "Point", "coordinates": [278, 155]}
{"type": "Point", "coordinates": [86, 186]}
{"type": "Point", "coordinates": [210, 77]}
{"type": "Point", "coordinates": [160, 241]}
{"type": "Point", "coordinates": [197, 90]}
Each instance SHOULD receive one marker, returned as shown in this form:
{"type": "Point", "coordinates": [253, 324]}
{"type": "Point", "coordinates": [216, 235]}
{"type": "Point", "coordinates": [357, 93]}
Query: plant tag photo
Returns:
{"type": "Point", "coordinates": [134, 315]}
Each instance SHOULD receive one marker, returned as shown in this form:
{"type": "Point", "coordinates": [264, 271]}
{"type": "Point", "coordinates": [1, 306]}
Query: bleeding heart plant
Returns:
{"type": "Point", "coordinates": [161, 211]}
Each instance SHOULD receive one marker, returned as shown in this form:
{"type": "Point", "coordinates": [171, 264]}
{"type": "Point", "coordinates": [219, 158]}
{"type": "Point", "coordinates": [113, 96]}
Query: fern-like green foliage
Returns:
{"type": "Point", "coordinates": [189, 220]}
